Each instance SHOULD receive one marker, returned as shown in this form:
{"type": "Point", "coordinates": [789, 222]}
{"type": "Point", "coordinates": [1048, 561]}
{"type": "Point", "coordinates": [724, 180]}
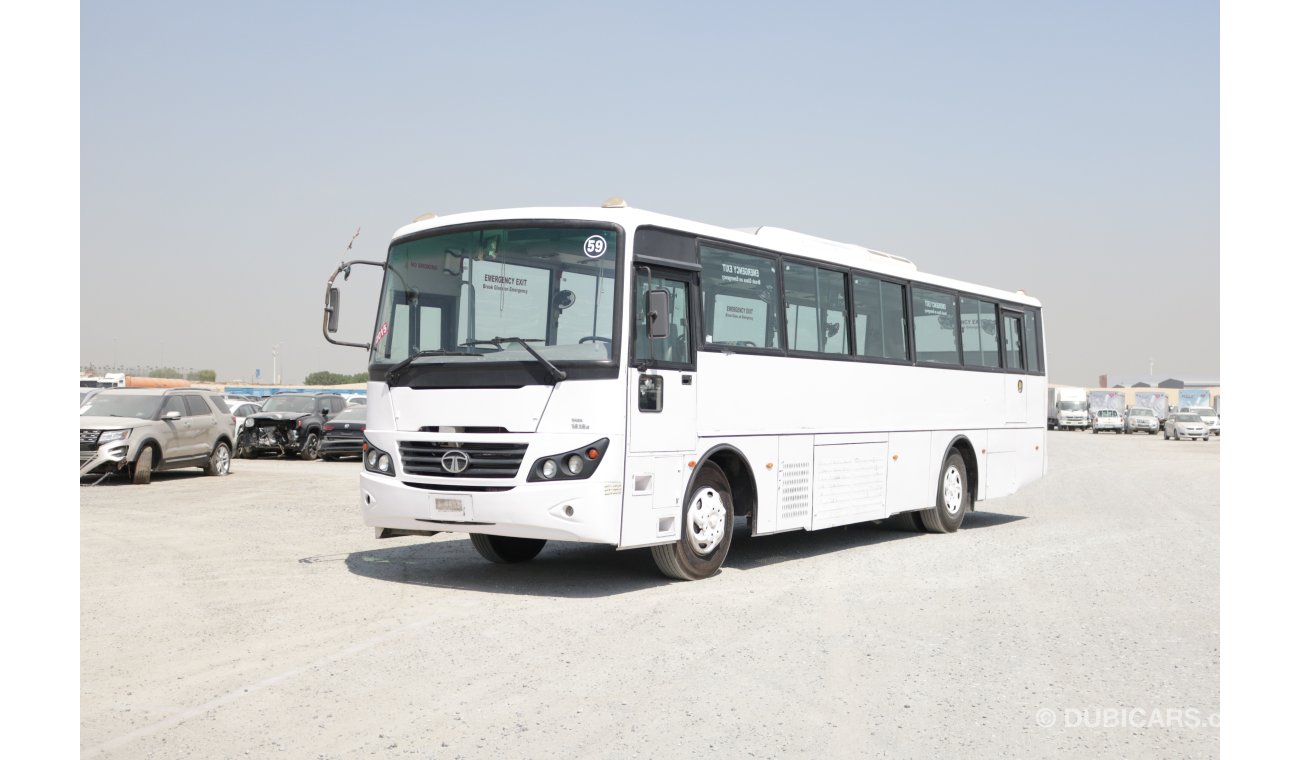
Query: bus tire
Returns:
{"type": "Point", "coordinates": [953, 498]}
{"type": "Point", "coordinates": [506, 550]}
{"type": "Point", "coordinates": [707, 520]}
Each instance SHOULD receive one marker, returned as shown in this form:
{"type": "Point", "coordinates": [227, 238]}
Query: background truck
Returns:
{"type": "Point", "coordinates": [1067, 408]}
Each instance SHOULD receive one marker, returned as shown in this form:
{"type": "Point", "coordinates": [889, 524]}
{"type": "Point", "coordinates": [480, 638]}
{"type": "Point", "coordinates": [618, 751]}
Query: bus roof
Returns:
{"type": "Point", "coordinates": [769, 238]}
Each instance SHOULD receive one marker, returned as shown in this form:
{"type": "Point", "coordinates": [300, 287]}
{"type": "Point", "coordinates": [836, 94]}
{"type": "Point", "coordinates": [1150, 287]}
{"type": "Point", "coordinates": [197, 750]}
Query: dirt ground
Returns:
{"type": "Point", "coordinates": [255, 615]}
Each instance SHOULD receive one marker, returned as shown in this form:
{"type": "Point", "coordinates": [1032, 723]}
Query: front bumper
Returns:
{"type": "Point", "coordinates": [588, 510]}
{"type": "Point", "coordinates": [109, 457]}
{"type": "Point", "coordinates": [1063, 422]}
{"type": "Point", "coordinates": [341, 446]}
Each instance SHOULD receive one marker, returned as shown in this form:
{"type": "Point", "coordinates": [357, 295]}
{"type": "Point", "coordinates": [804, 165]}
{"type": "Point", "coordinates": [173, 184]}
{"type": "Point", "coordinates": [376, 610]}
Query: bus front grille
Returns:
{"type": "Point", "coordinates": [479, 460]}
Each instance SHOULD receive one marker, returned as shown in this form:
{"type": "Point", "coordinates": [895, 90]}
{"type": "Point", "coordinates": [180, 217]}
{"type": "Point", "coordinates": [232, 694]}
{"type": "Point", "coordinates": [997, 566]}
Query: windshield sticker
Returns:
{"type": "Point", "coordinates": [740, 275]}
{"type": "Point", "coordinates": [594, 247]}
{"type": "Point", "coordinates": [505, 284]}
{"type": "Point", "coordinates": [383, 330]}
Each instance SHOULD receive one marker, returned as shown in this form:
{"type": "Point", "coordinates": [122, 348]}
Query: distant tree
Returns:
{"type": "Point", "coordinates": [360, 377]}
{"type": "Point", "coordinates": [324, 377]}
{"type": "Point", "coordinates": [169, 372]}
{"type": "Point", "coordinates": [202, 376]}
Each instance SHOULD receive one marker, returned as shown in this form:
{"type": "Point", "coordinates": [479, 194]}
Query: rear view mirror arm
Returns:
{"type": "Point", "coordinates": [331, 301]}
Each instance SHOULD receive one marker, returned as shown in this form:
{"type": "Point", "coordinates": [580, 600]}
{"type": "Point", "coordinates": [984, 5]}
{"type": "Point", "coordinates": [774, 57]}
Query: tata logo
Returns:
{"type": "Point", "coordinates": [455, 461]}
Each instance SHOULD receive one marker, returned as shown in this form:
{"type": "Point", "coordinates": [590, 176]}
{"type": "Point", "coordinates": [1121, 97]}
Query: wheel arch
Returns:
{"type": "Point", "coordinates": [150, 444]}
{"type": "Point", "coordinates": [962, 445]}
{"type": "Point", "coordinates": [740, 476]}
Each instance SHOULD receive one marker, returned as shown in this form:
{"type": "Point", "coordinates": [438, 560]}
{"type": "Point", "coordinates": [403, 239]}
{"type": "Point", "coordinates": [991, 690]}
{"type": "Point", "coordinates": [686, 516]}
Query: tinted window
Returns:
{"type": "Point", "coordinates": [219, 403]}
{"type": "Point", "coordinates": [879, 318]}
{"type": "Point", "coordinates": [740, 304]}
{"type": "Point", "coordinates": [1031, 342]}
{"type": "Point", "coordinates": [979, 333]}
{"type": "Point", "coordinates": [934, 320]}
{"type": "Point", "coordinates": [814, 310]}
{"type": "Point", "coordinates": [196, 406]}
{"type": "Point", "coordinates": [245, 410]}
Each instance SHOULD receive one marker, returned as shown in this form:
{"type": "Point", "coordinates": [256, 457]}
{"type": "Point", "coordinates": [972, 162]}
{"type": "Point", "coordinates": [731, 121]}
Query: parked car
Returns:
{"type": "Point", "coordinates": [289, 423]}
{"type": "Point", "coordinates": [1185, 425]}
{"type": "Point", "coordinates": [1207, 415]}
{"type": "Point", "coordinates": [1140, 418]}
{"type": "Point", "coordinates": [344, 434]}
{"type": "Point", "coordinates": [356, 400]}
{"type": "Point", "coordinates": [242, 411]}
{"type": "Point", "coordinates": [140, 431]}
{"type": "Point", "coordinates": [1107, 419]}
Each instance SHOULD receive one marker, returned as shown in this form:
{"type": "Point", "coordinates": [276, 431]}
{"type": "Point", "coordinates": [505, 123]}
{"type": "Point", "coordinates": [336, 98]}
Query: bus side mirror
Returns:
{"type": "Point", "coordinates": [656, 309]}
{"type": "Point", "coordinates": [332, 310]}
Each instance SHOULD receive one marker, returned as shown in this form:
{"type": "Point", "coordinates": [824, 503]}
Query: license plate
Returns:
{"type": "Point", "coordinates": [452, 507]}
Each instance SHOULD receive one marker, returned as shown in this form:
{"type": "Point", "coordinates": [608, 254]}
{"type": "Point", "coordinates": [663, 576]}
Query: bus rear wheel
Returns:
{"type": "Point", "coordinates": [708, 517]}
{"type": "Point", "coordinates": [505, 550]}
{"type": "Point", "coordinates": [953, 498]}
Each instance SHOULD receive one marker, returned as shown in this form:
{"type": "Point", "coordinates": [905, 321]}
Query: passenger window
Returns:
{"type": "Point", "coordinates": [934, 320]}
{"type": "Point", "coordinates": [195, 407]}
{"type": "Point", "coordinates": [219, 403]}
{"type": "Point", "coordinates": [880, 319]}
{"type": "Point", "coordinates": [979, 333]}
{"type": "Point", "coordinates": [740, 301]}
{"type": "Point", "coordinates": [676, 348]}
{"type": "Point", "coordinates": [1035, 363]}
{"type": "Point", "coordinates": [1013, 341]}
{"type": "Point", "coordinates": [814, 310]}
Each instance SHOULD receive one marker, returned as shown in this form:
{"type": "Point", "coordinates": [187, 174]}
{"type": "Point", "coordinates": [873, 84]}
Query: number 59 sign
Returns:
{"type": "Point", "coordinates": [594, 247]}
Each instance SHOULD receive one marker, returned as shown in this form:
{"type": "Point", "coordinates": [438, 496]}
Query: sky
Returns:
{"type": "Point", "coordinates": [230, 151]}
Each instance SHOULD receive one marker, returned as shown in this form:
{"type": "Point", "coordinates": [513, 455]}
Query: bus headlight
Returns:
{"type": "Point", "coordinates": [378, 461]}
{"type": "Point", "coordinates": [578, 463]}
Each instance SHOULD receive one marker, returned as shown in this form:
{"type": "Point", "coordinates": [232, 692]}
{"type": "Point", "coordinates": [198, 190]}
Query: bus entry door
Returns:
{"type": "Point", "coordinates": [661, 426]}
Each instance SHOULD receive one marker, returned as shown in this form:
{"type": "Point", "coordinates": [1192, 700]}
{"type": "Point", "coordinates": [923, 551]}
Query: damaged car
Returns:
{"type": "Point", "coordinates": [289, 423]}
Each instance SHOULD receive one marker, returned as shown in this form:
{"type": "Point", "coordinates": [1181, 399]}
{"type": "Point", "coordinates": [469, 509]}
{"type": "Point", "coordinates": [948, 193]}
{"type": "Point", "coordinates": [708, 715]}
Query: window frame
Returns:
{"type": "Point", "coordinates": [845, 273]}
{"type": "Point", "coordinates": [996, 303]}
{"type": "Point", "coordinates": [910, 361]}
{"type": "Point", "coordinates": [693, 295]}
{"type": "Point", "coordinates": [776, 259]}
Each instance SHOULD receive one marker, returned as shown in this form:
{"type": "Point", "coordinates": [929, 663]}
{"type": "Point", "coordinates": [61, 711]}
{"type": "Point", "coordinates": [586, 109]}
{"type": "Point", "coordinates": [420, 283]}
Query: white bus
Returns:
{"type": "Point", "coordinates": [622, 377]}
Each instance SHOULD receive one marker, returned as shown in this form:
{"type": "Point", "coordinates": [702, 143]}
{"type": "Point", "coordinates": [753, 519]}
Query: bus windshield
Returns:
{"type": "Point", "coordinates": [448, 297]}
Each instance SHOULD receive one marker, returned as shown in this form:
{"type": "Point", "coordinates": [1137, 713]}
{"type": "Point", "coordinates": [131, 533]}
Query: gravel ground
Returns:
{"type": "Point", "coordinates": [255, 615]}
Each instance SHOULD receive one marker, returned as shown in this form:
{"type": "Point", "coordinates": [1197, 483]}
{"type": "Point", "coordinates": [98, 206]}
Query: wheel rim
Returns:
{"type": "Point", "coordinates": [952, 491]}
{"type": "Point", "coordinates": [706, 520]}
{"type": "Point", "coordinates": [313, 444]}
{"type": "Point", "coordinates": [223, 460]}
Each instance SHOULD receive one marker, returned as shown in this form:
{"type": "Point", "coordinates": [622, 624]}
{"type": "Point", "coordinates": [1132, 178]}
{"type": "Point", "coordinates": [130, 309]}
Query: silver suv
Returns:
{"type": "Point", "coordinates": [137, 431]}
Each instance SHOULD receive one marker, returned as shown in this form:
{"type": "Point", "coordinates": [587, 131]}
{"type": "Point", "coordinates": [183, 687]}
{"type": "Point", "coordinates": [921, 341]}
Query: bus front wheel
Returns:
{"type": "Point", "coordinates": [505, 550]}
{"type": "Point", "coordinates": [707, 520]}
{"type": "Point", "coordinates": [953, 497]}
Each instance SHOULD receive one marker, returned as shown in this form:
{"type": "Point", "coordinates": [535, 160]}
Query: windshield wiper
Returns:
{"type": "Point", "coordinates": [403, 364]}
{"type": "Point", "coordinates": [557, 374]}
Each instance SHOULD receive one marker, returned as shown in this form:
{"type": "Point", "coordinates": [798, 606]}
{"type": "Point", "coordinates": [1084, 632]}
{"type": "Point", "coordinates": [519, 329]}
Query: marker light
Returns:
{"type": "Point", "coordinates": [614, 201]}
{"type": "Point", "coordinates": [593, 454]}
